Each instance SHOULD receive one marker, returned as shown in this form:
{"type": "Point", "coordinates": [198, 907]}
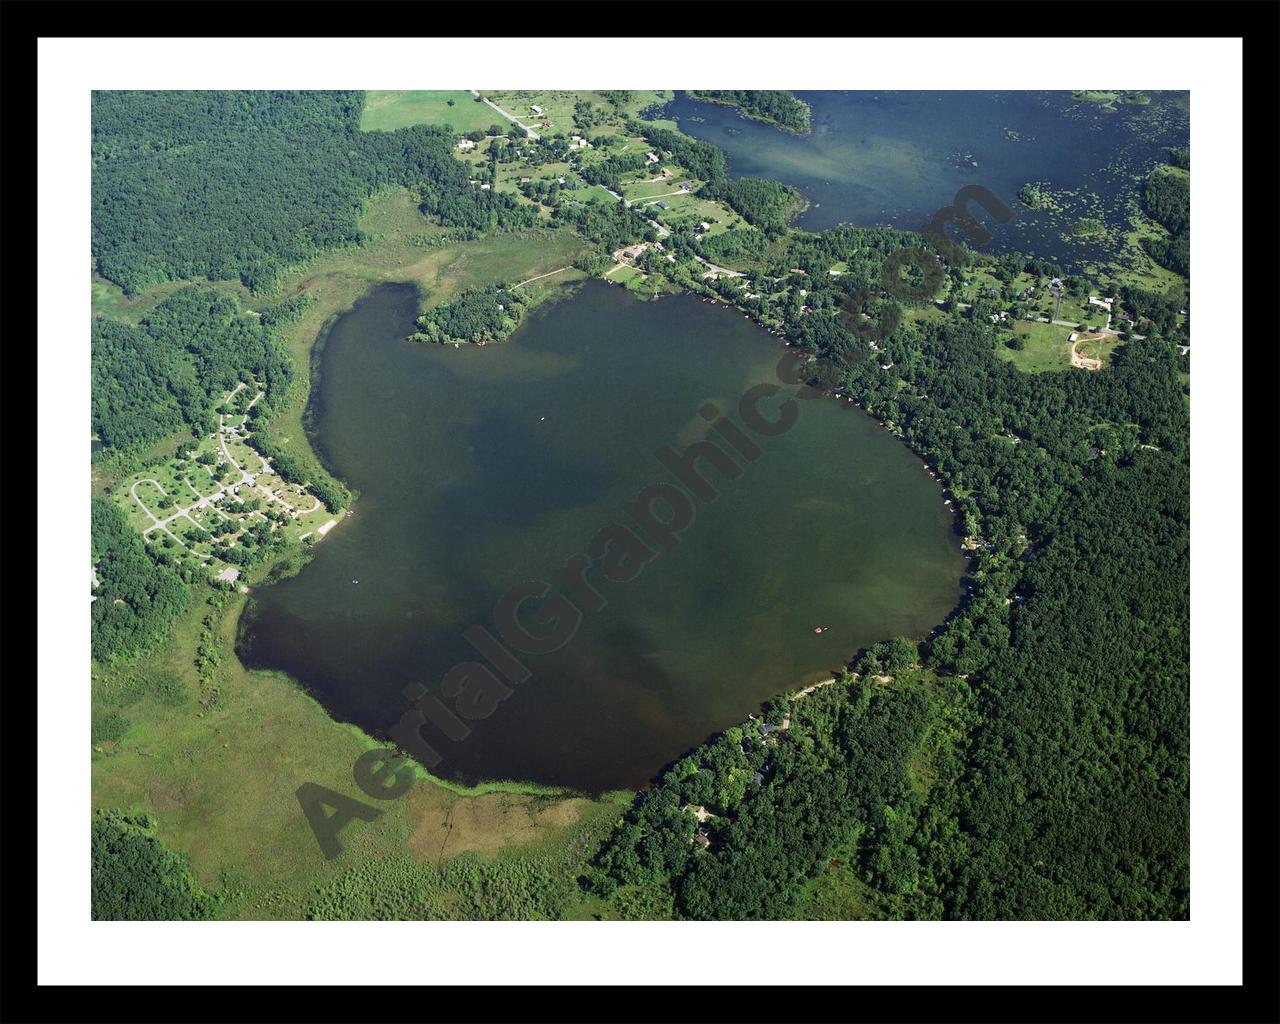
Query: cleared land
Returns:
{"type": "Point", "coordinates": [389, 110]}
{"type": "Point", "coordinates": [1047, 348]}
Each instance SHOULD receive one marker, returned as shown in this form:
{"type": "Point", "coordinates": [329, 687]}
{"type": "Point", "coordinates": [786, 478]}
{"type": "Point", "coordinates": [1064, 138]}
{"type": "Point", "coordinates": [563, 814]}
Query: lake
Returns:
{"type": "Point", "coordinates": [895, 158]}
{"type": "Point", "coordinates": [481, 467]}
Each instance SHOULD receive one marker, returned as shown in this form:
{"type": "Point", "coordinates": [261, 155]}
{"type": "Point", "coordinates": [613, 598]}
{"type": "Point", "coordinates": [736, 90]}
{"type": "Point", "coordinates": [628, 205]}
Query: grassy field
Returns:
{"type": "Point", "coordinates": [217, 760]}
{"type": "Point", "coordinates": [1047, 348]}
{"type": "Point", "coordinates": [388, 110]}
{"type": "Point", "coordinates": [109, 300]}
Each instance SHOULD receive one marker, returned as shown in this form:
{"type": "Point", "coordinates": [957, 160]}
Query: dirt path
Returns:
{"type": "Point", "coordinates": [1084, 362]}
{"type": "Point", "coordinates": [530, 280]}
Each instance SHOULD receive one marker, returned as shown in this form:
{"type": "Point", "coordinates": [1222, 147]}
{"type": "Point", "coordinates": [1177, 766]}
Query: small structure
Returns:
{"type": "Point", "coordinates": [535, 108]}
{"type": "Point", "coordinates": [229, 575]}
{"type": "Point", "coordinates": [651, 158]}
{"type": "Point", "coordinates": [466, 144]}
{"type": "Point", "coordinates": [662, 204]}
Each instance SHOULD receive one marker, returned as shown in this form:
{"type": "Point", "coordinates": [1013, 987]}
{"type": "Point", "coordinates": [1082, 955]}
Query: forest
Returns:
{"type": "Point", "coordinates": [772, 106]}
{"type": "Point", "coordinates": [612, 225]}
{"type": "Point", "coordinates": [136, 598]}
{"type": "Point", "coordinates": [170, 371]}
{"type": "Point", "coordinates": [239, 185]}
{"type": "Point", "coordinates": [763, 203]}
{"type": "Point", "coordinates": [137, 878]}
{"type": "Point", "coordinates": [783, 793]}
{"type": "Point", "coordinates": [477, 315]}
{"type": "Point", "coordinates": [1167, 198]}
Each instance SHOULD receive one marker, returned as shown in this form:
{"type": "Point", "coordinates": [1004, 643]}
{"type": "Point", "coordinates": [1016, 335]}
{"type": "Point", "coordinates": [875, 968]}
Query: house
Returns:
{"type": "Point", "coordinates": [535, 108]}
{"type": "Point", "coordinates": [559, 181]}
{"type": "Point", "coordinates": [484, 185]}
{"type": "Point", "coordinates": [466, 144]}
{"type": "Point", "coordinates": [651, 158]}
{"type": "Point", "coordinates": [705, 226]}
{"type": "Point", "coordinates": [663, 205]}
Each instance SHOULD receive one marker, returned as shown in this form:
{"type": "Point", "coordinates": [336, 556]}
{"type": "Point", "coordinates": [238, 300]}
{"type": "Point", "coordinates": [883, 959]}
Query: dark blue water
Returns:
{"type": "Point", "coordinates": [894, 158]}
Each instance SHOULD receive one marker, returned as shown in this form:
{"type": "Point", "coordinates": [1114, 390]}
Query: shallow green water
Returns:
{"type": "Point", "coordinates": [479, 468]}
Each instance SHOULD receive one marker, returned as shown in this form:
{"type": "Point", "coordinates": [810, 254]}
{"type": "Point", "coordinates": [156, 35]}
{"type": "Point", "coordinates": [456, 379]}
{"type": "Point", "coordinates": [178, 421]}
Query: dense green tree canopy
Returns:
{"type": "Point", "coordinates": [480, 314]}
{"type": "Point", "coordinates": [226, 185]}
{"type": "Point", "coordinates": [137, 878]}
{"type": "Point", "coordinates": [137, 598]}
{"type": "Point", "coordinates": [773, 106]}
{"type": "Point", "coordinates": [170, 372]}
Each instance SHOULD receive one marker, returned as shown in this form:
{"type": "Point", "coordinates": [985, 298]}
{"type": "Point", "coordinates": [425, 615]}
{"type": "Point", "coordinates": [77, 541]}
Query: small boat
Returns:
{"type": "Point", "coordinates": [355, 581]}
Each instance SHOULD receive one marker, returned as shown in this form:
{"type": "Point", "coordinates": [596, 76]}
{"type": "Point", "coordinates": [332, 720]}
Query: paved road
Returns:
{"type": "Point", "coordinates": [510, 117]}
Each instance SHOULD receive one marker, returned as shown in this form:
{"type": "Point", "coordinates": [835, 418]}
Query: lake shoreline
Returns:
{"type": "Point", "coordinates": [490, 375]}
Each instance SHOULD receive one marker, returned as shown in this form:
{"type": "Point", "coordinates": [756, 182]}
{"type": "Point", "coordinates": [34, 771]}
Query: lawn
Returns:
{"type": "Point", "coordinates": [388, 110]}
{"type": "Point", "coordinates": [1047, 347]}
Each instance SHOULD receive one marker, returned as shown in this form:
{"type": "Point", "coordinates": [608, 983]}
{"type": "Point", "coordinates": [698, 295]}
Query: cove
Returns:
{"type": "Point", "coordinates": [479, 468]}
{"type": "Point", "coordinates": [894, 158]}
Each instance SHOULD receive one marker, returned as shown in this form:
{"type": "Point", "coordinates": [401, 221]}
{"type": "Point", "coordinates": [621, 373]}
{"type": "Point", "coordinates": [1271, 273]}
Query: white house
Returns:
{"type": "Point", "coordinates": [535, 108]}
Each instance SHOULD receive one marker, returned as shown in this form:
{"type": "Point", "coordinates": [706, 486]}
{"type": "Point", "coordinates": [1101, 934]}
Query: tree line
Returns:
{"type": "Point", "coordinates": [1070, 791]}
{"type": "Point", "coordinates": [240, 185]}
{"type": "Point", "coordinates": [772, 106]}
{"type": "Point", "coordinates": [169, 372]}
{"type": "Point", "coordinates": [477, 315]}
{"type": "Point", "coordinates": [1167, 198]}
